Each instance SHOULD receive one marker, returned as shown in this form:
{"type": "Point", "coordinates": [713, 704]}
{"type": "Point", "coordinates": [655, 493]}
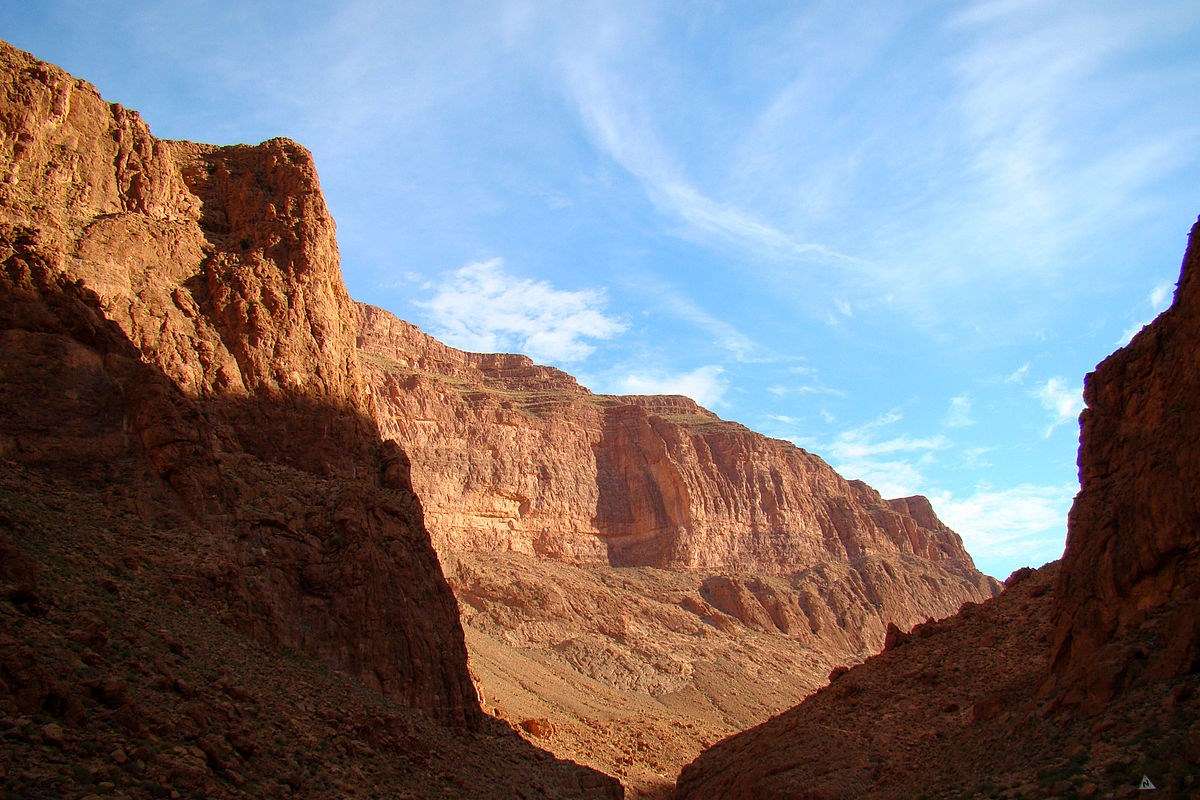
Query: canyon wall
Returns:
{"type": "Point", "coordinates": [1131, 571]}
{"type": "Point", "coordinates": [636, 576]}
{"type": "Point", "coordinates": [512, 456]}
{"type": "Point", "coordinates": [1082, 679]}
{"type": "Point", "coordinates": [214, 274]}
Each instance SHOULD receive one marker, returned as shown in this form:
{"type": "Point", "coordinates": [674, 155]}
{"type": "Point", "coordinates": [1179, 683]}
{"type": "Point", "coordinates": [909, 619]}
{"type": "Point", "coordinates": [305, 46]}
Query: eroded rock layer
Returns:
{"type": "Point", "coordinates": [509, 455]}
{"type": "Point", "coordinates": [690, 576]}
{"type": "Point", "coordinates": [215, 574]}
{"type": "Point", "coordinates": [1081, 679]}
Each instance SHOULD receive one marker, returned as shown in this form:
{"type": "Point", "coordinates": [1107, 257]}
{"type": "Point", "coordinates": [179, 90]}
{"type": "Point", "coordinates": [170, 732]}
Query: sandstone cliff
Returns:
{"type": "Point", "coordinates": [509, 455]}
{"type": "Point", "coordinates": [1131, 570]}
{"type": "Point", "coordinates": [1080, 679]}
{"type": "Point", "coordinates": [212, 564]}
{"type": "Point", "coordinates": [638, 573]}
{"type": "Point", "coordinates": [196, 388]}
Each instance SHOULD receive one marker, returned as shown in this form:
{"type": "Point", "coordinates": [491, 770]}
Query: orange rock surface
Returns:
{"type": "Point", "coordinates": [641, 572]}
{"type": "Point", "coordinates": [214, 574]}
{"type": "Point", "coordinates": [1131, 570]}
{"type": "Point", "coordinates": [635, 577]}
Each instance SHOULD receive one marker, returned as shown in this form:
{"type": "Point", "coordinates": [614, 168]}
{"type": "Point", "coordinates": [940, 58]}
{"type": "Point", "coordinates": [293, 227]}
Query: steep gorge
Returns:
{"type": "Point", "coordinates": [688, 576]}
{"type": "Point", "coordinates": [208, 428]}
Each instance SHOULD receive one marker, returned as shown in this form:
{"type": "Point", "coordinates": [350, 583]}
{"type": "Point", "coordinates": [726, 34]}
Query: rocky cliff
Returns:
{"type": "Point", "coordinates": [509, 455]}
{"type": "Point", "coordinates": [1081, 679]}
{"type": "Point", "coordinates": [195, 389]}
{"type": "Point", "coordinates": [1131, 570]}
{"type": "Point", "coordinates": [689, 574]}
{"type": "Point", "coordinates": [213, 565]}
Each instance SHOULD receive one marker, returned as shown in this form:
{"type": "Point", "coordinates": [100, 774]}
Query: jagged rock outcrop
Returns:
{"type": "Point", "coordinates": [1081, 679]}
{"type": "Point", "coordinates": [237, 341]}
{"type": "Point", "coordinates": [186, 427]}
{"type": "Point", "coordinates": [1131, 570]}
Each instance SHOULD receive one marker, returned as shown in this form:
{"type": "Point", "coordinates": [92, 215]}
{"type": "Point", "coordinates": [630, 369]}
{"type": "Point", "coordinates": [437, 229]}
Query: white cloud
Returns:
{"type": "Point", "coordinates": [827, 416]}
{"type": "Point", "coordinates": [973, 457]}
{"type": "Point", "coordinates": [862, 441]}
{"type": "Point", "coordinates": [1024, 97]}
{"type": "Point", "coordinates": [481, 307]}
{"type": "Point", "coordinates": [724, 334]}
{"type": "Point", "coordinates": [860, 453]}
{"type": "Point", "coordinates": [1018, 375]}
{"type": "Point", "coordinates": [1026, 521]}
{"type": "Point", "coordinates": [959, 413]}
{"type": "Point", "coordinates": [779, 390]}
{"type": "Point", "coordinates": [1062, 401]}
{"type": "Point", "coordinates": [1159, 298]}
{"type": "Point", "coordinates": [783, 418]}
{"type": "Point", "coordinates": [889, 478]}
{"type": "Point", "coordinates": [616, 118]}
{"type": "Point", "coordinates": [1131, 332]}
{"type": "Point", "coordinates": [703, 384]}
{"type": "Point", "coordinates": [846, 447]}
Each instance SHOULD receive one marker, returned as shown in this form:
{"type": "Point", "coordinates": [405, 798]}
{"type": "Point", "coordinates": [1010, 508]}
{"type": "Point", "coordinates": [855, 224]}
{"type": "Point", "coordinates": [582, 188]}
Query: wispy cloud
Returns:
{"type": "Point", "coordinates": [1018, 375]}
{"type": "Point", "coordinates": [482, 307]}
{"type": "Point", "coordinates": [973, 457]}
{"type": "Point", "coordinates": [1158, 300]}
{"type": "Point", "coordinates": [1025, 98]}
{"type": "Point", "coordinates": [704, 384]}
{"type": "Point", "coordinates": [889, 478]}
{"type": "Point", "coordinates": [1064, 402]}
{"type": "Point", "coordinates": [618, 119]}
{"type": "Point", "coordinates": [958, 415]}
{"type": "Point", "coordinates": [1026, 522]}
{"type": "Point", "coordinates": [725, 335]}
{"type": "Point", "coordinates": [815, 388]}
{"type": "Point", "coordinates": [891, 463]}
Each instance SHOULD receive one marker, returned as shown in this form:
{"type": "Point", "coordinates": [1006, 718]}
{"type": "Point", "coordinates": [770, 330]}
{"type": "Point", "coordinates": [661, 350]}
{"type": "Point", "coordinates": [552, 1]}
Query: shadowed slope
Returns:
{"type": "Point", "coordinates": [1080, 678]}
{"type": "Point", "coordinates": [215, 575]}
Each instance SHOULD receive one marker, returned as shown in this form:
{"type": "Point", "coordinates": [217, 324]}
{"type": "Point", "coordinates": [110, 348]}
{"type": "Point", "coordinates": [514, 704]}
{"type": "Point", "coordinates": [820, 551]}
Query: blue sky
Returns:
{"type": "Point", "coordinates": [895, 234]}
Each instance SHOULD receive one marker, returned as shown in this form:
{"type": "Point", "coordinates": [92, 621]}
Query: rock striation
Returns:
{"type": "Point", "coordinates": [511, 456]}
{"type": "Point", "coordinates": [1080, 680]}
{"type": "Point", "coordinates": [198, 504]}
{"type": "Point", "coordinates": [515, 456]}
{"type": "Point", "coordinates": [690, 575]}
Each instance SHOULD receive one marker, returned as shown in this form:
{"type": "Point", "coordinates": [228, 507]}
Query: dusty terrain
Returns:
{"type": "Point", "coordinates": [1080, 678]}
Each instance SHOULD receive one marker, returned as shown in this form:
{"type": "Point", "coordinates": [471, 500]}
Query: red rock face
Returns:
{"type": "Point", "coordinates": [512, 456]}
{"type": "Point", "coordinates": [178, 310]}
{"type": "Point", "coordinates": [176, 330]}
{"type": "Point", "coordinates": [686, 574]}
{"type": "Point", "coordinates": [1130, 583]}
